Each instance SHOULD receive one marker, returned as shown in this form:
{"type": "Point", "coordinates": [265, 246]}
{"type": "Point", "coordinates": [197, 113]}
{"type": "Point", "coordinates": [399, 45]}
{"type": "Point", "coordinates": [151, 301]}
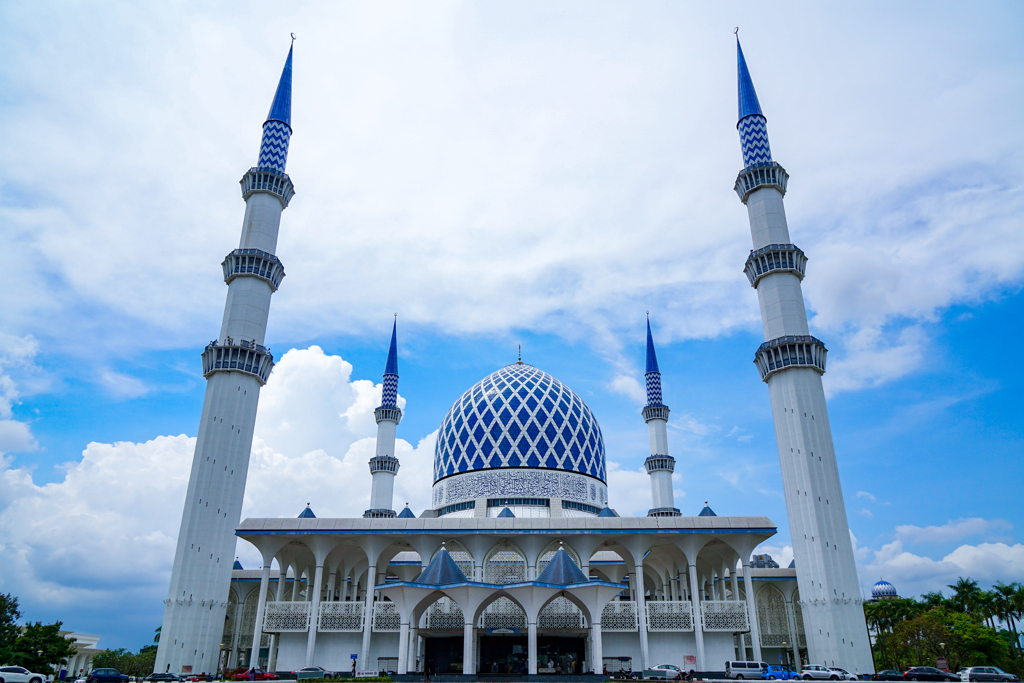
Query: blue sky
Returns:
{"type": "Point", "coordinates": [503, 174]}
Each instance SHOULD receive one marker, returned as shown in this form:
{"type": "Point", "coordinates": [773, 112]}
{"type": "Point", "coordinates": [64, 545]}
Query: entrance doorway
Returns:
{"type": "Point", "coordinates": [508, 654]}
{"type": "Point", "coordinates": [443, 655]}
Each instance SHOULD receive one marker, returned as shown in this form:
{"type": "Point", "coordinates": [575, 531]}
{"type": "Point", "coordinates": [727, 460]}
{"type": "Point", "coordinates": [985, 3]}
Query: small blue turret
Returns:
{"type": "Point", "coordinates": [752, 125]}
{"type": "Point", "coordinates": [277, 130]}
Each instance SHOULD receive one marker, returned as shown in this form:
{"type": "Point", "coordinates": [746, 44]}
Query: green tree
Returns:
{"type": "Point", "coordinates": [9, 631]}
{"type": "Point", "coordinates": [118, 658]}
{"type": "Point", "coordinates": [42, 649]}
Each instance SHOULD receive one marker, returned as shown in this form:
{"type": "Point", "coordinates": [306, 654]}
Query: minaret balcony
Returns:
{"type": "Point", "coordinates": [756, 176]}
{"type": "Point", "coordinates": [379, 514]}
{"type": "Point", "coordinates": [793, 351]}
{"type": "Point", "coordinates": [655, 412]}
{"type": "Point", "coordinates": [660, 463]}
{"type": "Point", "coordinates": [775, 258]}
{"type": "Point", "coordinates": [254, 263]}
{"type": "Point", "coordinates": [241, 356]}
{"type": "Point", "coordinates": [384, 463]}
{"type": "Point", "coordinates": [664, 512]}
{"type": "Point", "coordinates": [269, 180]}
{"type": "Point", "coordinates": [392, 413]}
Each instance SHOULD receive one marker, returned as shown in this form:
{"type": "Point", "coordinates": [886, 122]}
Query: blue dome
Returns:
{"type": "Point", "coordinates": [520, 417]}
{"type": "Point", "coordinates": [883, 589]}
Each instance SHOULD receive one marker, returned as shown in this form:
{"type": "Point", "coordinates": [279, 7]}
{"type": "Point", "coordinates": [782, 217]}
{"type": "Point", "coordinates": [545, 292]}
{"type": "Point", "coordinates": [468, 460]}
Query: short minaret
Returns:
{"type": "Point", "coordinates": [384, 465]}
{"type": "Point", "coordinates": [792, 362]}
{"type": "Point", "coordinates": [660, 465]}
{"type": "Point", "coordinates": [236, 365]}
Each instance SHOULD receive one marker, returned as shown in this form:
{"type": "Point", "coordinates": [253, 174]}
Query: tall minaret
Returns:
{"type": "Point", "coordinates": [660, 465]}
{"type": "Point", "coordinates": [384, 465]}
{"type": "Point", "coordinates": [235, 365]}
{"type": "Point", "coordinates": [792, 362]}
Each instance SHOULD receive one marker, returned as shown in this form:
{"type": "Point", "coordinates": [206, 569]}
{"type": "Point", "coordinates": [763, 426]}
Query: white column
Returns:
{"type": "Point", "coordinates": [314, 612]}
{"type": "Point", "coordinates": [531, 648]}
{"type": "Point", "coordinates": [257, 635]}
{"type": "Point", "coordinates": [414, 637]}
{"type": "Point", "coordinates": [596, 650]}
{"type": "Point", "coordinates": [467, 650]}
{"type": "Point", "coordinates": [698, 620]}
{"type": "Point", "coordinates": [641, 606]}
{"type": "Point", "coordinates": [735, 583]}
{"type": "Point", "coordinates": [330, 585]}
{"type": "Point", "coordinates": [364, 653]}
{"type": "Point", "coordinates": [755, 627]}
{"type": "Point", "coordinates": [403, 646]}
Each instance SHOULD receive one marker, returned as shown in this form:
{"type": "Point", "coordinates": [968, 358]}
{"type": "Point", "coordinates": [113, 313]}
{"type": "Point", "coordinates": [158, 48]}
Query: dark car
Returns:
{"type": "Point", "coordinates": [928, 673]}
{"type": "Point", "coordinates": [888, 675]}
{"type": "Point", "coordinates": [106, 676]}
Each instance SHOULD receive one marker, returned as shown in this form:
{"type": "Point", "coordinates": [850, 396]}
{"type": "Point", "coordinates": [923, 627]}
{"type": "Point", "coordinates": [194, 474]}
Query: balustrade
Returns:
{"type": "Point", "coordinates": [254, 262]}
{"type": "Point", "coordinates": [386, 618]}
{"type": "Point", "coordinates": [775, 258]}
{"type": "Point", "coordinates": [724, 615]}
{"type": "Point", "coordinates": [286, 616]}
{"type": "Point", "coordinates": [800, 350]}
{"type": "Point", "coordinates": [270, 180]}
{"type": "Point", "coordinates": [241, 356]}
{"type": "Point", "coordinates": [620, 615]}
{"type": "Point", "coordinates": [340, 616]}
{"type": "Point", "coordinates": [669, 615]}
{"type": "Point", "coordinates": [756, 176]}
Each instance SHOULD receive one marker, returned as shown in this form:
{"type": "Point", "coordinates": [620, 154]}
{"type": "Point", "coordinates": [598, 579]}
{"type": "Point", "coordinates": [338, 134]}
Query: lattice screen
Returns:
{"type": "Point", "coordinates": [504, 564]}
{"type": "Point", "coordinates": [669, 615]}
{"type": "Point", "coordinates": [724, 615]}
{"type": "Point", "coordinates": [798, 617]}
{"type": "Point", "coordinates": [285, 616]}
{"type": "Point", "coordinates": [340, 616]}
{"type": "Point", "coordinates": [386, 617]}
{"type": "Point", "coordinates": [503, 613]}
{"type": "Point", "coordinates": [620, 615]}
{"type": "Point", "coordinates": [771, 617]}
{"type": "Point", "coordinates": [445, 614]}
{"type": "Point", "coordinates": [228, 635]}
{"type": "Point", "coordinates": [560, 613]}
{"type": "Point", "coordinates": [248, 624]}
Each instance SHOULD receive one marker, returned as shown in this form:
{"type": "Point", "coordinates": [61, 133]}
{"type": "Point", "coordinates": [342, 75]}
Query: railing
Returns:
{"type": "Point", "coordinates": [756, 176]}
{"type": "Point", "coordinates": [775, 258]}
{"type": "Point", "coordinates": [444, 615]}
{"type": "Point", "coordinates": [255, 262]}
{"type": "Point", "coordinates": [799, 350]}
{"type": "Point", "coordinates": [286, 616]}
{"type": "Point", "coordinates": [560, 613]}
{"type": "Point", "coordinates": [669, 615]}
{"type": "Point", "coordinates": [724, 615]}
{"type": "Point", "coordinates": [655, 413]}
{"type": "Point", "coordinates": [385, 617]}
{"type": "Point", "coordinates": [266, 179]}
{"type": "Point", "coordinates": [340, 616]}
{"type": "Point", "coordinates": [620, 615]}
{"type": "Point", "coordinates": [241, 356]}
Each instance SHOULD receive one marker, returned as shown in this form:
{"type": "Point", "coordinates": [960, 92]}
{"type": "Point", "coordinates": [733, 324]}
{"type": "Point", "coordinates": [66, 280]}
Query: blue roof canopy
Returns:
{"type": "Point", "coordinates": [307, 514]}
{"type": "Point", "coordinates": [391, 367]}
{"type": "Point", "coordinates": [562, 571]}
{"type": "Point", "coordinates": [747, 97]}
{"type": "Point", "coordinates": [406, 513]}
{"type": "Point", "coordinates": [441, 571]}
{"type": "Point", "coordinates": [281, 109]}
{"type": "Point", "coordinates": [652, 357]}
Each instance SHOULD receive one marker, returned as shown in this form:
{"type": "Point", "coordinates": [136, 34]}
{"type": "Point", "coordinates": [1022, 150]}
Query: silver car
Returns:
{"type": "Point", "coordinates": [821, 673]}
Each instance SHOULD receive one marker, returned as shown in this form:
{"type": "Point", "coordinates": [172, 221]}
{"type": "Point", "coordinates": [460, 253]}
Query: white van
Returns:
{"type": "Point", "coordinates": [744, 670]}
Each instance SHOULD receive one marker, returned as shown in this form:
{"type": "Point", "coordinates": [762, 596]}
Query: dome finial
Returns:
{"type": "Point", "coordinates": [519, 361]}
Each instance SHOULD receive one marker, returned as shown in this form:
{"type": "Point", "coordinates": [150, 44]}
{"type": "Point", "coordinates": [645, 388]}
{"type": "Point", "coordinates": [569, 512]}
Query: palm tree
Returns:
{"type": "Point", "coordinates": [965, 594]}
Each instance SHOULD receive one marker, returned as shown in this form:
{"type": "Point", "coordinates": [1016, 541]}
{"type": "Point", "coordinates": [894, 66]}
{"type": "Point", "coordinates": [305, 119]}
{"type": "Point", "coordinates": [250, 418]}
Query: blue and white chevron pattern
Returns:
{"type": "Point", "coordinates": [754, 140]}
{"type": "Point", "coordinates": [653, 388]}
{"type": "Point", "coordinates": [389, 395]}
{"type": "Point", "coordinates": [274, 148]}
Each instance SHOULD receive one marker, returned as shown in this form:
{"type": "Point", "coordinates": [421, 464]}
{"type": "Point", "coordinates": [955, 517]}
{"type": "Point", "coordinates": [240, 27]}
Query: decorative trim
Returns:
{"type": "Point", "coordinates": [658, 412]}
{"type": "Point", "coordinates": [392, 413]}
{"type": "Point", "coordinates": [660, 463]}
{"type": "Point", "coordinates": [520, 482]}
{"type": "Point", "coordinates": [801, 350]}
{"type": "Point", "coordinates": [240, 356]}
{"type": "Point", "coordinates": [253, 263]}
{"type": "Point", "coordinates": [269, 180]}
{"type": "Point", "coordinates": [775, 258]}
{"type": "Point", "coordinates": [384, 463]}
{"type": "Point", "coordinates": [756, 176]}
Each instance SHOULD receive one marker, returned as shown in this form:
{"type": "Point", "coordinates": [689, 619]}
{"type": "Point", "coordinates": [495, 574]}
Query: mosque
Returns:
{"type": "Point", "coordinates": [519, 567]}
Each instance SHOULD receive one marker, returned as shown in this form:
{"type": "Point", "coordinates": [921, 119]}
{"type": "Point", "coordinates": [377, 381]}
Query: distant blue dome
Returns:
{"type": "Point", "coordinates": [883, 589]}
{"type": "Point", "coordinates": [522, 417]}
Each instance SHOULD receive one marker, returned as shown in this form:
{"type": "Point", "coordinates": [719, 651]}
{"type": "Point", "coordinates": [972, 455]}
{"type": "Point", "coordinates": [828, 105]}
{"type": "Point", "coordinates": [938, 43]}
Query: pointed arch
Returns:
{"type": "Point", "coordinates": [771, 617]}
{"type": "Point", "coordinates": [505, 563]}
{"type": "Point", "coordinates": [549, 552]}
{"type": "Point", "coordinates": [462, 557]}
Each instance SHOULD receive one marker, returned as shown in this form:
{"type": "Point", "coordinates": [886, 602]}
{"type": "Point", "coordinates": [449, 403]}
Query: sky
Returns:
{"type": "Point", "coordinates": [502, 174]}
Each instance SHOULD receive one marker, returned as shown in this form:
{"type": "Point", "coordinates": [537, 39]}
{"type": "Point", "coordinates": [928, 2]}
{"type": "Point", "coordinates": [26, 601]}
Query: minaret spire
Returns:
{"type": "Point", "coordinates": [791, 362]}
{"type": "Point", "coordinates": [660, 465]}
{"type": "Point", "coordinates": [236, 365]}
{"type": "Point", "coordinates": [384, 465]}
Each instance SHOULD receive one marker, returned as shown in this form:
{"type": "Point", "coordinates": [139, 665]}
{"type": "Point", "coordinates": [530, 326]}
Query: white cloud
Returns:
{"type": "Point", "coordinates": [629, 491]}
{"type": "Point", "coordinates": [126, 498]}
{"type": "Point", "coordinates": [864, 512]}
{"type": "Point", "coordinates": [953, 530]}
{"type": "Point", "coordinates": [17, 353]}
{"type": "Point", "coordinates": [865, 494]}
{"type": "Point", "coordinates": [629, 386]}
{"type": "Point", "coordinates": [122, 386]}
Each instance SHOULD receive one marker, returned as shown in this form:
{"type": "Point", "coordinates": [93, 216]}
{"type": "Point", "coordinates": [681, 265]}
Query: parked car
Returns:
{"type": "Point", "coordinates": [666, 671]}
{"type": "Point", "coordinates": [19, 674]}
{"type": "Point", "coordinates": [744, 670]}
{"type": "Point", "coordinates": [815, 672]}
{"type": "Point", "coordinates": [255, 675]}
{"type": "Point", "coordinates": [985, 673]}
{"type": "Point", "coordinates": [844, 675]}
{"type": "Point", "coordinates": [888, 675]}
{"type": "Point", "coordinates": [775, 672]}
{"type": "Point", "coordinates": [318, 672]}
{"type": "Point", "coordinates": [161, 678]}
{"type": "Point", "coordinates": [928, 673]}
{"type": "Point", "coordinates": [106, 676]}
